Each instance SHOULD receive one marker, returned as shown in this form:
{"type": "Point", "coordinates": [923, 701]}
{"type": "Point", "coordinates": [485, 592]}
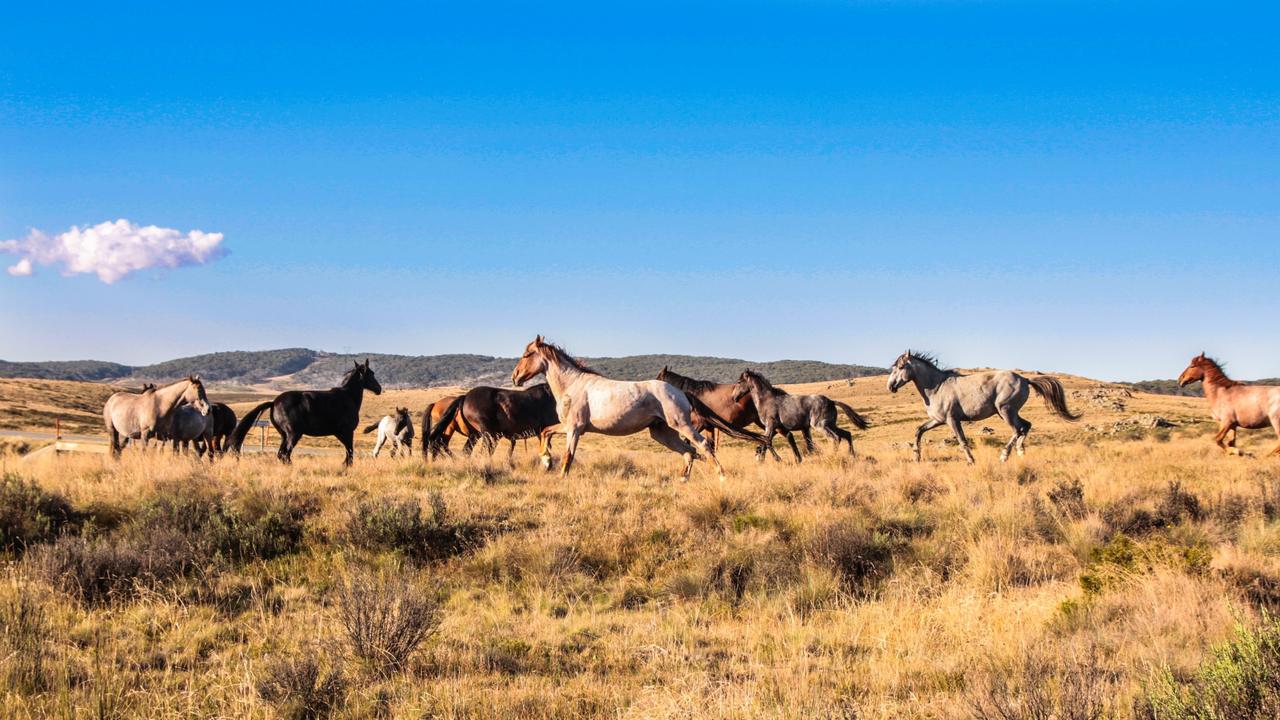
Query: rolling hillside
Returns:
{"type": "Point", "coordinates": [301, 367]}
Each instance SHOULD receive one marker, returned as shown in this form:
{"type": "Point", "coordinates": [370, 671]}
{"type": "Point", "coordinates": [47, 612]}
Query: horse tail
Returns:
{"type": "Point", "coordinates": [242, 427]}
{"type": "Point", "coordinates": [437, 430]}
{"type": "Point", "coordinates": [372, 427]}
{"type": "Point", "coordinates": [711, 418]}
{"type": "Point", "coordinates": [1054, 396]}
{"type": "Point", "coordinates": [857, 420]}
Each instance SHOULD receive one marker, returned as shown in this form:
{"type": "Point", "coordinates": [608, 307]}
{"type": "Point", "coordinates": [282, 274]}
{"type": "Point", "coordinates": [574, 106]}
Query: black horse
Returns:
{"type": "Point", "coordinates": [317, 413]}
{"type": "Point", "coordinates": [494, 413]}
{"type": "Point", "coordinates": [224, 424]}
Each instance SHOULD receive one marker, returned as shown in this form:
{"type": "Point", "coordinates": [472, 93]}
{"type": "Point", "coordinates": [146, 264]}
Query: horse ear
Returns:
{"type": "Point", "coordinates": [366, 363]}
{"type": "Point", "coordinates": [538, 340]}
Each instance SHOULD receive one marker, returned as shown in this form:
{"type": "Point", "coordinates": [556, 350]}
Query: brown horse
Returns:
{"type": "Point", "coordinates": [719, 397]}
{"type": "Point", "coordinates": [1234, 404]}
{"type": "Point", "coordinates": [431, 417]}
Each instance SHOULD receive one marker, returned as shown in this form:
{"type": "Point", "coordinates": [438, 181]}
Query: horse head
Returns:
{"type": "Point", "coordinates": [901, 373]}
{"type": "Point", "coordinates": [367, 379]}
{"type": "Point", "coordinates": [194, 395]}
{"type": "Point", "coordinates": [532, 363]}
{"type": "Point", "coordinates": [742, 388]}
{"type": "Point", "coordinates": [1195, 370]}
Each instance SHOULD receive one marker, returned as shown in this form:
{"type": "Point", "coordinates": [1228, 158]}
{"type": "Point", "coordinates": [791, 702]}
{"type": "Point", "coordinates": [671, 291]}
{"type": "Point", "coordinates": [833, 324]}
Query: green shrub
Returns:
{"type": "Point", "coordinates": [29, 515]}
{"type": "Point", "coordinates": [397, 524]}
{"type": "Point", "coordinates": [1239, 681]}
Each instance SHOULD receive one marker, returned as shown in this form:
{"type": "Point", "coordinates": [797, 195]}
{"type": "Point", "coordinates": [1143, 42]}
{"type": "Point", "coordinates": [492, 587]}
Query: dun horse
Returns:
{"type": "Point", "coordinates": [589, 402]}
{"type": "Point", "coordinates": [783, 412]}
{"type": "Point", "coordinates": [490, 413]}
{"type": "Point", "coordinates": [317, 413]}
{"type": "Point", "coordinates": [1234, 404]}
{"type": "Point", "coordinates": [951, 398]}
{"type": "Point", "coordinates": [140, 415]}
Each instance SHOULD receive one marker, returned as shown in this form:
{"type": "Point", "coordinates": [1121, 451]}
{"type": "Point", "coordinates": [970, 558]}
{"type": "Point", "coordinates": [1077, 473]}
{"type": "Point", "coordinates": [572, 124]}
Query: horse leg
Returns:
{"type": "Point", "coordinates": [115, 443]}
{"type": "Point", "coordinates": [925, 427]}
{"type": "Point", "coordinates": [511, 452]}
{"type": "Point", "coordinates": [669, 438]}
{"type": "Point", "coordinates": [570, 447]}
{"type": "Point", "coordinates": [490, 443]}
{"type": "Point", "coordinates": [1224, 429]}
{"type": "Point", "coordinates": [846, 436]}
{"type": "Point", "coordinates": [544, 442]}
{"type": "Point", "coordinates": [958, 430]}
{"type": "Point", "coordinates": [348, 442]}
{"type": "Point", "coordinates": [1275, 425]}
{"type": "Point", "coordinates": [1019, 426]}
{"type": "Point", "coordinates": [377, 447]}
{"type": "Point", "coordinates": [469, 445]}
{"type": "Point", "coordinates": [285, 453]}
{"type": "Point", "coordinates": [808, 440]}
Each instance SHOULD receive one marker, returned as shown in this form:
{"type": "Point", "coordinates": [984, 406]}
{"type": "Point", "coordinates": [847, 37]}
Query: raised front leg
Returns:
{"type": "Point", "coordinates": [1226, 428]}
{"type": "Point", "coordinates": [925, 427]}
{"type": "Point", "coordinates": [544, 441]}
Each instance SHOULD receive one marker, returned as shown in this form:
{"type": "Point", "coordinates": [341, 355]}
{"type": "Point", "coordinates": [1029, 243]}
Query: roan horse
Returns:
{"type": "Point", "coordinates": [782, 412]}
{"type": "Point", "coordinates": [396, 429]}
{"type": "Point", "coordinates": [739, 412]}
{"type": "Point", "coordinates": [1234, 404]}
{"type": "Point", "coordinates": [316, 413]}
{"type": "Point", "coordinates": [139, 415]}
{"type": "Point", "coordinates": [589, 402]}
{"type": "Point", "coordinates": [951, 398]}
{"type": "Point", "coordinates": [490, 413]}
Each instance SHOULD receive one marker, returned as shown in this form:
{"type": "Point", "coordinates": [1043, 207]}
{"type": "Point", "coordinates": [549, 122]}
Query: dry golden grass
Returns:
{"type": "Point", "coordinates": [871, 587]}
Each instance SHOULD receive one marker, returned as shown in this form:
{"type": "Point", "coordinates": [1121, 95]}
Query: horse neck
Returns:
{"type": "Point", "coordinates": [1215, 382]}
{"type": "Point", "coordinates": [354, 389]}
{"type": "Point", "coordinates": [927, 378]}
{"type": "Point", "coordinates": [560, 376]}
{"type": "Point", "coordinates": [168, 396]}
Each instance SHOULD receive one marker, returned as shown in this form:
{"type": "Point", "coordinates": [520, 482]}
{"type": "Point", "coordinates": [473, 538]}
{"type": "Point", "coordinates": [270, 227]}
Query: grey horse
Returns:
{"type": "Point", "coordinates": [139, 415]}
{"type": "Point", "coordinates": [951, 398]}
{"type": "Point", "coordinates": [186, 425]}
{"type": "Point", "coordinates": [398, 429]}
{"type": "Point", "coordinates": [782, 412]}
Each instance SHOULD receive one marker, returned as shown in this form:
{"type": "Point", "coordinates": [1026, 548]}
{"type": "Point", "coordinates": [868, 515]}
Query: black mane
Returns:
{"type": "Point", "coordinates": [688, 384]}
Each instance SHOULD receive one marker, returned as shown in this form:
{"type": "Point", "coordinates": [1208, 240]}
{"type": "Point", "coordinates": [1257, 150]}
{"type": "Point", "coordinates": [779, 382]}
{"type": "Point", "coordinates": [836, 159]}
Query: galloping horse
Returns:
{"type": "Point", "coordinates": [589, 402]}
{"type": "Point", "coordinates": [431, 416]}
{"type": "Point", "coordinates": [951, 398]}
{"type": "Point", "coordinates": [396, 429]}
{"type": "Point", "coordinates": [783, 412]}
{"type": "Point", "coordinates": [719, 397]}
{"type": "Point", "coordinates": [139, 415]}
{"type": "Point", "coordinates": [1234, 404]}
{"type": "Point", "coordinates": [492, 413]}
{"type": "Point", "coordinates": [316, 413]}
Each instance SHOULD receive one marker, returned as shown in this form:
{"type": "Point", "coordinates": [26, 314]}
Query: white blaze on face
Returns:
{"type": "Point", "coordinates": [113, 250]}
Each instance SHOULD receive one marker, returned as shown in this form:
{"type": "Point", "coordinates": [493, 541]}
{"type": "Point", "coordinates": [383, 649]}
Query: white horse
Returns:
{"type": "Point", "coordinates": [951, 398]}
{"type": "Point", "coordinates": [397, 428]}
{"type": "Point", "coordinates": [139, 415]}
{"type": "Point", "coordinates": [588, 402]}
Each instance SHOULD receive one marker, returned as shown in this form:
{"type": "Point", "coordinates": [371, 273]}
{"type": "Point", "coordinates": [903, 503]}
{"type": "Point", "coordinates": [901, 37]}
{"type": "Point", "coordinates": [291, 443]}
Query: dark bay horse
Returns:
{"type": "Point", "coordinates": [224, 424]}
{"type": "Point", "coordinates": [951, 398]}
{"type": "Point", "coordinates": [780, 411]}
{"type": "Point", "coordinates": [739, 412]}
{"type": "Point", "coordinates": [490, 413]}
{"type": "Point", "coordinates": [1234, 404]}
{"type": "Point", "coordinates": [317, 413]}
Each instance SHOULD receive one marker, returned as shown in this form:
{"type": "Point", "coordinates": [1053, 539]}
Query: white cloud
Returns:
{"type": "Point", "coordinates": [112, 250]}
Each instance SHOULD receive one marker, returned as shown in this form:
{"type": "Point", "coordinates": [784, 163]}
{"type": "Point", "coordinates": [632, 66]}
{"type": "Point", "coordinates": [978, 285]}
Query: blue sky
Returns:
{"type": "Point", "coordinates": [1082, 187]}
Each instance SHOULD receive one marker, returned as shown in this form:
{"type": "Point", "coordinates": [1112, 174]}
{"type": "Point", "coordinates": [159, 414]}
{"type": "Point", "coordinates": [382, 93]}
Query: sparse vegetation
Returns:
{"type": "Point", "coordinates": [1048, 587]}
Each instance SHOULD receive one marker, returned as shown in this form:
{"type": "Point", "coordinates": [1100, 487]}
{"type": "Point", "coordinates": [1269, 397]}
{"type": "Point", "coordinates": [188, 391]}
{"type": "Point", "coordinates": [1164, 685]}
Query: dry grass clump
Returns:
{"type": "Point", "coordinates": [30, 515]}
{"type": "Point", "coordinates": [299, 689]}
{"type": "Point", "coordinates": [386, 621]}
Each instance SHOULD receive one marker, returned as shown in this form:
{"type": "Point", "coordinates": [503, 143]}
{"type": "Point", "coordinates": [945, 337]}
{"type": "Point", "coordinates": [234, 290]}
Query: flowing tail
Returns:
{"type": "Point", "coordinates": [436, 431]}
{"type": "Point", "coordinates": [1054, 396]}
{"type": "Point", "coordinates": [711, 418]}
{"type": "Point", "coordinates": [242, 427]}
{"type": "Point", "coordinates": [372, 427]}
{"type": "Point", "coordinates": [857, 420]}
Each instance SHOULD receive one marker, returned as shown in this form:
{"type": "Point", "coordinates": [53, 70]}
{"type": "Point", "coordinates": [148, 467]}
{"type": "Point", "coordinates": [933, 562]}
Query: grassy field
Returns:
{"type": "Point", "coordinates": [1121, 569]}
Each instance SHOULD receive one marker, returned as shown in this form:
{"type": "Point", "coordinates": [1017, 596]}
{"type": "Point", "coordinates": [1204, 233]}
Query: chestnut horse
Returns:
{"type": "Point", "coordinates": [431, 417]}
{"type": "Point", "coordinates": [586, 401]}
{"type": "Point", "coordinates": [1234, 404]}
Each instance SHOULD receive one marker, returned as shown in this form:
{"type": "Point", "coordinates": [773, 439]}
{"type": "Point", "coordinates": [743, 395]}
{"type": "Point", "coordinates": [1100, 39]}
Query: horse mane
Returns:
{"type": "Point", "coordinates": [931, 360]}
{"type": "Point", "coordinates": [560, 355]}
{"type": "Point", "coordinates": [1213, 371]}
{"type": "Point", "coordinates": [764, 382]}
{"type": "Point", "coordinates": [688, 384]}
{"type": "Point", "coordinates": [346, 378]}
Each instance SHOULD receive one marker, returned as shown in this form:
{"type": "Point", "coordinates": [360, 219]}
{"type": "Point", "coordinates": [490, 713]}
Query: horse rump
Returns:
{"type": "Point", "coordinates": [242, 427]}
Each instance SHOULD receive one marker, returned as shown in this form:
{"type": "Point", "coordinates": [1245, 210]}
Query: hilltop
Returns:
{"type": "Point", "coordinates": [303, 367]}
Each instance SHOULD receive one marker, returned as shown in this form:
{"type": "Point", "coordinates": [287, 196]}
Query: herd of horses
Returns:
{"type": "Point", "coordinates": [685, 415]}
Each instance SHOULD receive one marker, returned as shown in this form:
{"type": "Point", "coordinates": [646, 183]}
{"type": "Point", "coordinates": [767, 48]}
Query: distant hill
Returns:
{"type": "Point", "coordinates": [301, 367]}
{"type": "Point", "coordinates": [1170, 387]}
